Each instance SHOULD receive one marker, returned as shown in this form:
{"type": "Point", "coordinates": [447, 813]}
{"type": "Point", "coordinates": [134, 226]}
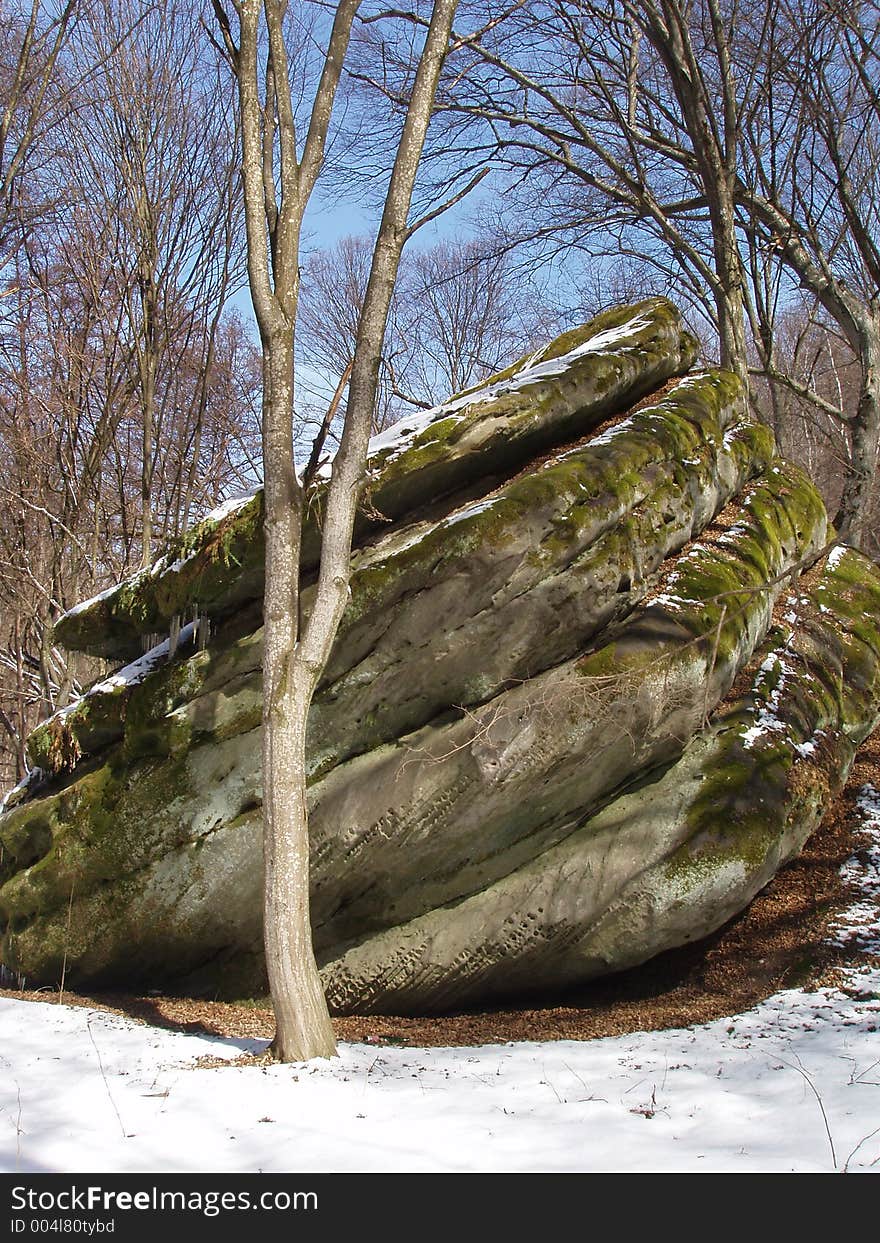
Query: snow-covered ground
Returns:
{"type": "Point", "coordinates": [793, 1085]}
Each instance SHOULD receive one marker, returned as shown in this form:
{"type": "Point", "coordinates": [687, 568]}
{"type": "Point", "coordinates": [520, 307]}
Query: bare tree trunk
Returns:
{"type": "Point", "coordinates": [713, 128]}
{"type": "Point", "coordinates": [148, 409]}
{"type": "Point", "coordinates": [303, 1027]}
{"type": "Point", "coordinates": [859, 321]}
{"type": "Point", "coordinates": [865, 436]}
{"type": "Point", "coordinates": [729, 296]}
{"type": "Point", "coordinates": [293, 661]}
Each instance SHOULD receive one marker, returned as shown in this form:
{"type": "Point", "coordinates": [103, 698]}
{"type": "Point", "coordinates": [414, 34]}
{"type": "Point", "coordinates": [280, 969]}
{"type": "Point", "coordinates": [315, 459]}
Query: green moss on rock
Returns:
{"type": "Point", "coordinates": [508, 663]}
{"type": "Point", "coordinates": [219, 564]}
{"type": "Point", "coordinates": [671, 858]}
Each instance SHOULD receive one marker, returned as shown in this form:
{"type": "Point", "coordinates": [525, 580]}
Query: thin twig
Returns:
{"type": "Point", "coordinates": [18, 1130]}
{"type": "Point", "coordinates": [809, 1082]}
{"type": "Point", "coordinates": [864, 1140]}
{"type": "Point", "coordinates": [66, 944]}
{"type": "Point", "coordinates": [104, 1077]}
{"type": "Point", "coordinates": [450, 202]}
{"type": "Point", "coordinates": [318, 445]}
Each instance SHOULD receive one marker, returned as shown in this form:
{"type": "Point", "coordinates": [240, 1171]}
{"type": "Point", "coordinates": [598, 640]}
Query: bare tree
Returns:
{"type": "Point", "coordinates": [279, 176]}
{"type": "Point", "coordinates": [461, 310]}
{"type": "Point", "coordinates": [334, 283]}
{"type": "Point", "coordinates": [151, 148]}
{"type": "Point", "coordinates": [732, 144]}
{"type": "Point", "coordinates": [32, 42]}
{"type": "Point", "coordinates": [70, 447]}
{"type": "Point", "coordinates": [808, 192]}
{"type": "Point", "coordinates": [124, 161]}
{"type": "Point", "coordinates": [468, 311]}
{"type": "Point", "coordinates": [575, 107]}
{"type": "Point", "coordinates": [694, 45]}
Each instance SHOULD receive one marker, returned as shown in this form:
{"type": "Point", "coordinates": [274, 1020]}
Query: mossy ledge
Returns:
{"type": "Point", "coordinates": [430, 818]}
{"type": "Point", "coordinates": [708, 831]}
{"type": "Point", "coordinates": [446, 810]}
{"type": "Point", "coordinates": [448, 612]}
{"type": "Point", "coordinates": [515, 767]}
{"type": "Point", "coordinates": [548, 399]}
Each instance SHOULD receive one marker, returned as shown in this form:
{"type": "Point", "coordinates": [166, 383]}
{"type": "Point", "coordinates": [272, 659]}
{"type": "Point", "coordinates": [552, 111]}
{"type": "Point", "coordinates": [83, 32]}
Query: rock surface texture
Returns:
{"type": "Point", "coordinates": [598, 679]}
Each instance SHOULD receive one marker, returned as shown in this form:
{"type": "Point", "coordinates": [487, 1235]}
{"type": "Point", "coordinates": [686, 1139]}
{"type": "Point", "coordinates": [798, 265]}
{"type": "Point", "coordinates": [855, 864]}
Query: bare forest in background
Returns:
{"type": "Point", "coordinates": [725, 154]}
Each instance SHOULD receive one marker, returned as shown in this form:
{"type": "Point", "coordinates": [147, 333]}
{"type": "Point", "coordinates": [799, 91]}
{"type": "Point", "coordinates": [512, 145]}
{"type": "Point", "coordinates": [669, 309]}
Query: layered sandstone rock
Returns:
{"type": "Point", "coordinates": [520, 775]}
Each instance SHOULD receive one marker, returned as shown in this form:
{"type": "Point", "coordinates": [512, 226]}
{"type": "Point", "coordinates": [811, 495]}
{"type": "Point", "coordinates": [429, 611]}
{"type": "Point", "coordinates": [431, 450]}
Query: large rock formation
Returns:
{"type": "Point", "coordinates": [583, 703]}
